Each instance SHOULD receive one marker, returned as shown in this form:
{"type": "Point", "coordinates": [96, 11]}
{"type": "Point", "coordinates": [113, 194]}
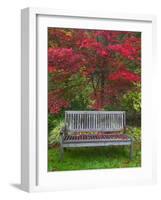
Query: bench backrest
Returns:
{"type": "Point", "coordinates": [86, 121]}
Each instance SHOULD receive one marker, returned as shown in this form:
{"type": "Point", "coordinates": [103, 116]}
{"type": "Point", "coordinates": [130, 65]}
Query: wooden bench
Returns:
{"type": "Point", "coordinates": [108, 127]}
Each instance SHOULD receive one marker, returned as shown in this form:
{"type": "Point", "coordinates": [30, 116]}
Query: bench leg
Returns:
{"type": "Point", "coordinates": [131, 150]}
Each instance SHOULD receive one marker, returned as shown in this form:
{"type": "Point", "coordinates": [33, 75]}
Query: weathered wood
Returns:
{"type": "Point", "coordinates": [96, 144]}
{"type": "Point", "coordinates": [94, 121]}
{"type": "Point", "coordinates": [96, 138]}
{"type": "Point", "coordinates": [91, 121]}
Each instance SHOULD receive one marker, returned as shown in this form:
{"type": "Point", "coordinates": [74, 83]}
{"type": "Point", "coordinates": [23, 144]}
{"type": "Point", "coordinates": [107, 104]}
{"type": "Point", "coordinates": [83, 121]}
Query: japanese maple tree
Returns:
{"type": "Point", "coordinates": [109, 61]}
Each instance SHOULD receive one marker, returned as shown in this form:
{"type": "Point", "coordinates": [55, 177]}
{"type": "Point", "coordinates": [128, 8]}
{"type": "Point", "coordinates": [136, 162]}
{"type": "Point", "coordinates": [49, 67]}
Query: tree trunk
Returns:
{"type": "Point", "coordinates": [102, 95]}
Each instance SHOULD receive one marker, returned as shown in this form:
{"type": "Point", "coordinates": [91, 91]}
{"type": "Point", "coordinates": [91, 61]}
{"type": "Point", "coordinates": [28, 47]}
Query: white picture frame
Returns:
{"type": "Point", "coordinates": [34, 176]}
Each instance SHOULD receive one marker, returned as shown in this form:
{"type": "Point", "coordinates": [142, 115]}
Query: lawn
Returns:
{"type": "Point", "coordinates": [93, 158]}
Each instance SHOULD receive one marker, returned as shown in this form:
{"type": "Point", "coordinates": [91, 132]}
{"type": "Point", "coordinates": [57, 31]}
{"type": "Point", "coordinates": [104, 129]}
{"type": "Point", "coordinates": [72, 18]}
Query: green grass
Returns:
{"type": "Point", "coordinates": [93, 158]}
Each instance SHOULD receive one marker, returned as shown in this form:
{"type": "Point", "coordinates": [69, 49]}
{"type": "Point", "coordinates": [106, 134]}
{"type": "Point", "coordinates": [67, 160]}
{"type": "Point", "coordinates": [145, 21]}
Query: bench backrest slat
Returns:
{"type": "Point", "coordinates": [77, 121]}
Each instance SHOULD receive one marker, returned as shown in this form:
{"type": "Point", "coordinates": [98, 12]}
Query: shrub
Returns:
{"type": "Point", "coordinates": [54, 135]}
{"type": "Point", "coordinates": [51, 122]}
{"type": "Point", "coordinates": [132, 101]}
{"type": "Point", "coordinates": [135, 133]}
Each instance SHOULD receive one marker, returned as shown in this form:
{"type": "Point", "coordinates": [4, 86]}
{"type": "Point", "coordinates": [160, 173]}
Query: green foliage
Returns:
{"type": "Point", "coordinates": [132, 67]}
{"type": "Point", "coordinates": [76, 90]}
{"type": "Point", "coordinates": [79, 91]}
{"type": "Point", "coordinates": [51, 122]}
{"type": "Point", "coordinates": [54, 135]}
{"type": "Point", "coordinates": [78, 85]}
{"type": "Point", "coordinates": [54, 120]}
{"type": "Point", "coordinates": [131, 101]}
{"type": "Point", "coordinates": [135, 133]}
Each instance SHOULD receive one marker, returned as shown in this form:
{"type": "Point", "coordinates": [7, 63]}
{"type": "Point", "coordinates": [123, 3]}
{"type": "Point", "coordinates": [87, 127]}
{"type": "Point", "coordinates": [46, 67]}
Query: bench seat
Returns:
{"type": "Point", "coordinates": [96, 137]}
{"type": "Point", "coordinates": [94, 140]}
